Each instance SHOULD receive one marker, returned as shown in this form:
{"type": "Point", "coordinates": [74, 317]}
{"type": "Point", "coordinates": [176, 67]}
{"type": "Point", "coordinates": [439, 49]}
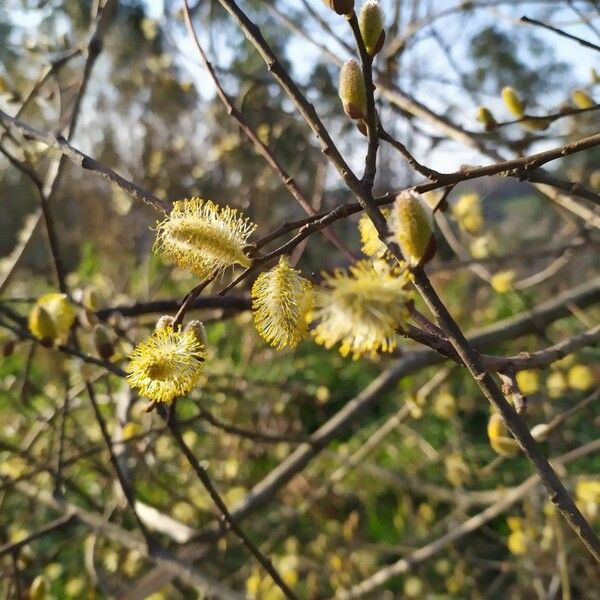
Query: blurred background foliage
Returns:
{"type": "Point", "coordinates": [151, 114]}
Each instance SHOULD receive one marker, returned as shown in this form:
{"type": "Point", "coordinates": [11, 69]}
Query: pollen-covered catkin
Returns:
{"type": "Point", "coordinates": [281, 301]}
{"type": "Point", "coordinates": [203, 237]}
{"type": "Point", "coordinates": [362, 308]}
{"type": "Point", "coordinates": [166, 364]}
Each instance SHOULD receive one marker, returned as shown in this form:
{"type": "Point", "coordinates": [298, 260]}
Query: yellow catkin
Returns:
{"type": "Point", "coordinates": [281, 301]}
{"type": "Point", "coordinates": [370, 22]}
{"type": "Point", "coordinates": [371, 243]}
{"type": "Point", "coordinates": [165, 365]}
{"type": "Point", "coordinates": [486, 118]}
{"type": "Point", "coordinates": [581, 99]}
{"type": "Point", "coordinates": [203, 237]}
{"type": "Point", "coordinates": [411, 223]}
{"type": "Point", "coordinates": [468, 213]}
{"type": "Point", "coordinates": [499, 438]}
{"type": "Point", "coordinates": [361, 309]}
{"type": "Point", "coordinates": [51, 317]}
{"type": "Point", "coordinates": [352, 90]}
{"type": "Point", "coordinates": [502, 281]}
{"type": "Point", "coordinates": [512, 101]}
{"type": "Point", "coordinates": [581, 378]}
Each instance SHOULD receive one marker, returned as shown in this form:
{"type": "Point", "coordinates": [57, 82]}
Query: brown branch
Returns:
{"type": "Point", "coordinates": [259, 146]}
{"type": "Point", "coordinates": [372, 120]}
{"type": "Point", "coordinates": [410, 159]}
{"type": "Point", "coordinates": [229, 303]}
{"type": "Point", "coordinates": [560, 32]}
{"type": "Point", "coordinates": [86, 162]}
{"type": "Point", "coordinates": [469, 356]}
{"type": "Point", "coordinates": [225, 515]}
{"type": "Point", "coordinates": [404, 565]}
{"type": "Point", "coordinates": [127, 489]}
{"type": "Point", "coordinates": [59, 523]}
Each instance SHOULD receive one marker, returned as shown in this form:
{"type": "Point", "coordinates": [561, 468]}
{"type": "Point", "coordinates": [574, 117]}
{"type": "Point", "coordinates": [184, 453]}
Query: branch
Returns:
{"type": "Point", "coordinates": [85, 162]}
{"type": "Point", "coordinates": [560, 32]}
{"type": "Point", "coordinates": [259, 146]}
{"type": "Point", "coordinates": [59, 523]}
{"type": "Point", "coordinates": [372, 122]}
{"type": "Point", "coordinates": [225, 516]}
{"type": "Point", "coordinates": [424, 553]}
{"type": "Point", "coordinates": [164, 559]}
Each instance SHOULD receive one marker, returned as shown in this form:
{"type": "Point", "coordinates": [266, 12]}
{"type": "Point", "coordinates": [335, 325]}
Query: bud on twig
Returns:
{"type": "Point", "coordinates": [102, 342]}
{"type": "Point", "coordinates": [352, 90]}
{"type": "Point", "coordinates": [164, 322]}
{"type": "Point", "coordinates": [412, 225]}
{"type": "Point", "coordinates": [199, 331]}
{"type": "Point", "coordinates": [42, 325]}
{"type": "Point", "coordinates": [485, 117]}
{"type": "Point", "coordinates": [370, 22]}
{"type": "Point", "coordinates": [341, 7]}
{"type": "Point", "coordinates": [512, 101]}
{"type": "Point", "coordinates": [581, 99]}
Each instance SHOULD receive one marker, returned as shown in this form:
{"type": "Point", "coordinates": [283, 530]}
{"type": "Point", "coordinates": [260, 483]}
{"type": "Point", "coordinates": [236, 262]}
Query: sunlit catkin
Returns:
{"type": "Point", "coordinates": [371, 243]}
{"type": "Point", "coordinates": [512, 101]}
{"type": "Point", "coordinates": [581, 99]}
{"type": "Point", "coordinates": [166, 364]}
{"type": "Point", "coordinates": [203, 237]}
{"type": "Point", "coordinates": [486, 118]}
{"type": "Point", "coordinates": [352, 90]}
{"type": "Point", "coordinates": [411, 222]}
{"type": "Point", "coordinates": [361, 309]}
{"type": "Point", "coordinates": [281, 301]}
{"type": "Point", "coordinates": [370, 22]}
{"type": "Point", "coordinates": [499, 437]}
{"type": "Point", "coordinates": [51, 317]}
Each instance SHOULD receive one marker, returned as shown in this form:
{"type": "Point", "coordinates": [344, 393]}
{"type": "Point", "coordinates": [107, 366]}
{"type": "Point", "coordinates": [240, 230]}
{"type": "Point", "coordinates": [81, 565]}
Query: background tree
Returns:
{"type": "Point", "coordinates": [300, 472]}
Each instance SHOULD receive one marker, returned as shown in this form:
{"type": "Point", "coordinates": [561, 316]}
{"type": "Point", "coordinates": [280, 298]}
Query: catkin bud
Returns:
{"type": "Point", "coordinates": [102, 342]}
{"type": "Point", "coordinates": [581, 99]}
{"type": "Point", "coordinates": [595, 180]}
{"type": "Point", "coordinates": [42, 325]}
{"type": "Point", "coordinates": [89, 298]}
{"type": "Point", "coordinates": [352, 90]}
{"type": "Point", "coordinates": [370, 23]}
{"type": "Point", "coordinates": [499, 438]}
{"type": "Point", "coordinates": [540, 432]}
{"type": "Point", "coordinates": [38, 590]}
{"type": "Point", "coordinates": [199, 331]}
{"type": "Point", "coordinates": [485, 116]}
{"type": "Point", "coordinates": [535, 124]}
{"type": "Point", "coordinates": [512, 101]}
{"type": "Point", "coordinates": [341, 7]}
{"type": "Point", "coordinates": [164, 322]}
{"type": "Point", "coordinates": [411, 222]}
{"type": "Point", "coordinates": [595, 77]}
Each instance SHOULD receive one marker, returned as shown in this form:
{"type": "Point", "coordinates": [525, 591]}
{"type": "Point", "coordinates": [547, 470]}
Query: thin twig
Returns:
{"type": "Point", "coordinates": [562, 33]}
{"type": "Point", "coordinates": [225, 515]}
